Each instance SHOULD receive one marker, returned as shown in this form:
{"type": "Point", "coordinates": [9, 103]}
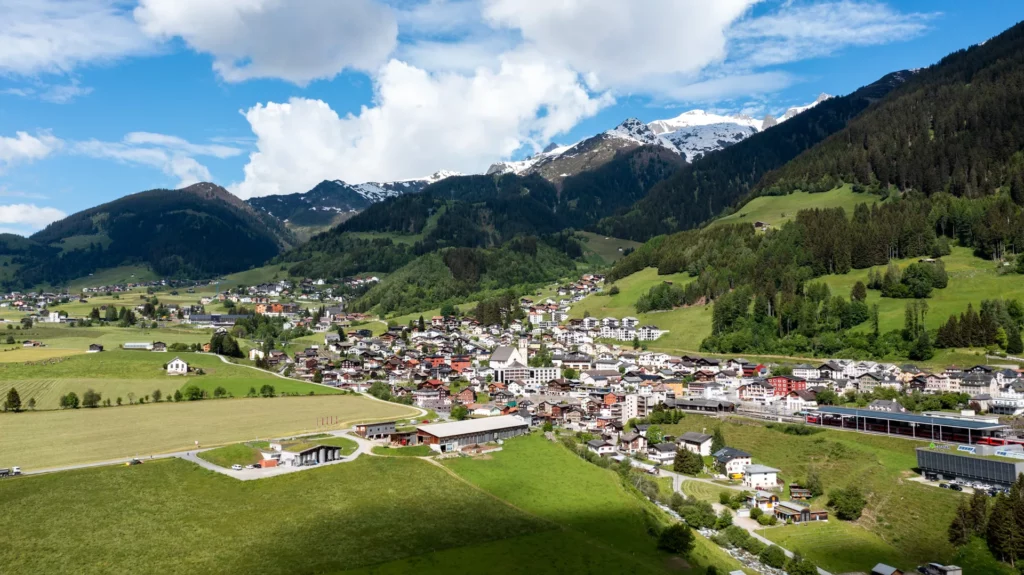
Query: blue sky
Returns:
{"type": "Point", "coordinates": [102, 98]}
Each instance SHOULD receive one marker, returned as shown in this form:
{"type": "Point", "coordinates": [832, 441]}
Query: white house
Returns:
{"type": "Point", "coordinates": [662, 452]}
{"type": "Point", "coordinates": [699, 443]}
{"type": "Point", "coordinates": [760, 477]}
{"type": "Point", "coordinates": [177, 366]}
{"type": "Point", "coordinates": [733, 461]}
{"type": "Point", "coordinates": [600, 447]}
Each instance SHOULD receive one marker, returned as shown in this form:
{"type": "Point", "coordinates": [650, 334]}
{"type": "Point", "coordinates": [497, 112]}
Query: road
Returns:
{"type": "Point", "coordinates": [751, 525]}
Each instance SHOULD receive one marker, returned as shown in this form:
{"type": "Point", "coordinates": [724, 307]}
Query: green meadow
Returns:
{"type": "Point", "coordinates": [777, 210]}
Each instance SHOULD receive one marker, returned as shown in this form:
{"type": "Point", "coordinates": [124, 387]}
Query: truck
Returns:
{"type": "Point", "coordinates": [11, 471]}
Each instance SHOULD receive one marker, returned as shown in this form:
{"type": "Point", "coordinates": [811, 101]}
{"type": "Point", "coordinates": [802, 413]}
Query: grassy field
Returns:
{"type": "Point", "coordinates": [584, 499]}
{"type": "Point", "coordinates": [173, 517]}
{"type": "Point", "coordinates": [118, 373]}
{"type": "Point", "coordinates": [907, 518]}
{"type": "Point", "coordinates": [608, 249]}
{"type": "Point", "coordinates": [687, 326]}
{"type": "Point", "coordinates": [970, 280]}
{"type": "Point", "coordinates": [776, 210]}
{"type": "Point", "coordinates": [57, 438]}
{"type": "Point", "coordinates": [409, 451]}
{"type": "Point", "coordinates": [56, 336]}
{"type": "Point", "coordinates": [836, 546]}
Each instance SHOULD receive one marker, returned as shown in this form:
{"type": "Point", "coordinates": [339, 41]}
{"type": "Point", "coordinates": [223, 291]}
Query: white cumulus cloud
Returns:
{"type": "Point", "coordinates": [298, 41]}
{"type": "Point", "coordinates": [421, 122]}
{"type": "Point", "coordinates": [25, 147]}
{"type": "Point", "coordinates": [27, 218]}
{"type": "Point", "coordinates": [55, 36]}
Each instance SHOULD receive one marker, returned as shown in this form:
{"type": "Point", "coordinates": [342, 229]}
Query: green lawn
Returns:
{"type": "Point", "coordinates": [776, 210]}
{"type": "Point", "coordinates": [687, 326]}
{"type": "Point", "coordinates": [348, 446]}
{"type": "Point", "coordinates": [174, 517]}
{"type": "Point", "coordinates": [237, 454]}
{"type": "Point", "coordinates": [409, 451]}
{"type": "Point", "coordinates": [837, 546]}
{"type": "Point", "coordinates": [545, 479]}
{"type": "Point", "coordinates": [118, 373]}
{"type": "Point", "coordinates": [111, 276]}
{"type": "Point", "coordinates": [705, 491]}
{"type": "Point", "coordinates": [908, 518]}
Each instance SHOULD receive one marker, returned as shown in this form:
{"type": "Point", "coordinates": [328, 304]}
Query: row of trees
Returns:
{"type": "Point", "coordinates": [998, 520]}
{"type": "Point", "coordinates": [999, 323]}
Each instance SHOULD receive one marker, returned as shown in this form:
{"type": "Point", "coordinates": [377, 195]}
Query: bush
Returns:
{"type": "Point", "coordinates": [677, 539]}
{"type": "Point", "coordinates": [773, 556]}
{"type": "Point", "coordinates": [736, 535]}
{"type": "Point", "coordinates": [91, 398]}
{"type": "Point", "coordinates": [753, 546]}
{"type": "Point", "coordinates": [767, 520]}
{"type": "Point", "coordinates": [848, 503]}
{"type": "Point", "coordinates": [220, 392]}
{"type": "Point", "coordinates": [193, 393]}
{"type": "Point", "coordinates": [724, 519]}
{"type": "Point", "coordinates": [800, 566]}
{"type": "Point", "coordinates": [756, 513]}
{"type": "Point", "coordinates": [267, 390]}
{"type": "Point", "coordinates": [724, 498]}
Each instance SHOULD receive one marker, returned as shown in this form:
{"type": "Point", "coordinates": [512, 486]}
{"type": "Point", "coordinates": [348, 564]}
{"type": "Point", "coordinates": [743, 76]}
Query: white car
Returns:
{"type": "Point", "coordinates": [250, 467]}
{"type": "Point", "coordinates": [236, 467]}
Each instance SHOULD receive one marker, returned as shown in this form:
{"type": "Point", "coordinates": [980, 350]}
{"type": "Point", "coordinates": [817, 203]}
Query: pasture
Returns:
{"type": "Point", "coordinates": [837, 546]}
{"type": "Point", "coordinates": [117, 373]}
{"type": "Point", "coordinates": [545, 479]}
{"type": "Point", "coordinates": [705, 491]}
{"type": "Point", "coordinates": [687, 326]}
{"type": "Point", "coordinates": [607, 248]}
{"type": "Point", "coordinates": [777, 210]}
{"type": "Point", "coordinates": [971, 280]}
{"type": "Point", "coordinates": [48, 439]}
{"type": "Point", "coordinates": [174, 517]}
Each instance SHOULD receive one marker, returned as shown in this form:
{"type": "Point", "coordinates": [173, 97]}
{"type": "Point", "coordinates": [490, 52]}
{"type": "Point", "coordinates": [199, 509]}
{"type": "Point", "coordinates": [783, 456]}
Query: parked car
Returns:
{"type": "Point", "coordinates": [236, 467]}
{"type": "Point", "coordinates": [955, 487]}
{"type": "Point", "coordinates": [944, 485]}
{"type": "Point", "coordinates": [250, 467]}
{"type": "Point", "coordinates": [257, 465]}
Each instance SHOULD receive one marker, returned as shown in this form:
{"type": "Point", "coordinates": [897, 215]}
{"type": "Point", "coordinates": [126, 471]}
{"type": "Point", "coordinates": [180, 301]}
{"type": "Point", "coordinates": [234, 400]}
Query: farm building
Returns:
{"type": "Point", "coordinates": [445, 437]}
{"type": "Point", "coordinates": [376, 430]}
{"type": "Point", "coordinates": [177, 366]}
{"type": "Point", "coordinates": [798, 513]}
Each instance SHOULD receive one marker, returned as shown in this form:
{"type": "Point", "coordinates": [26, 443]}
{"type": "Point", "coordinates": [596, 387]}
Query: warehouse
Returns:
{"type": "Point", "coordinates": [909, 425]}
{"type": "Point", "coordinates": [984, 463]}
{"type": "Point", "coordinates": [445, 437]}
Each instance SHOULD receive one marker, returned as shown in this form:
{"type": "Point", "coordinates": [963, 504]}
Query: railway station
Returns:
{"type": "Point", "coordinates": [909, 425]}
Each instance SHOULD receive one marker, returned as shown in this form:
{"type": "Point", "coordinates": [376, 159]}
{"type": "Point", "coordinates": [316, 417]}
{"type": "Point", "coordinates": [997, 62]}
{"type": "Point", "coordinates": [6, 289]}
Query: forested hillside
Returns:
{"type": "Point", "coordinates": [956, 127]}
{"type": "Point", "coordinates": [196, 232]}
{"type": "Point", "coordinates": [701, 190]}
{"type": "Point", "coordinates": [455, 274]}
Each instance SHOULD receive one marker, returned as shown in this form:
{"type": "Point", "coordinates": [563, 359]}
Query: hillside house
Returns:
{"type": "Point", "coordinates": [760, 477]}
{"type": "Point", "coordinates": [699, 443]}
{"type": "Point", "coordinates": [177, 366]}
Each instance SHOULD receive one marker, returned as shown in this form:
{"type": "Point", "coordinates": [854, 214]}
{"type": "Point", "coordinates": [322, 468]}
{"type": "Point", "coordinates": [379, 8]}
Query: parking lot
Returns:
{"type": "Point", "coordinates": [965, 487]}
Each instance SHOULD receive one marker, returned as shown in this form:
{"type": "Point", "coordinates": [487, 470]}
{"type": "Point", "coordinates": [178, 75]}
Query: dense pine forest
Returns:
{"type": "Point", "coordinates": [955, 128]}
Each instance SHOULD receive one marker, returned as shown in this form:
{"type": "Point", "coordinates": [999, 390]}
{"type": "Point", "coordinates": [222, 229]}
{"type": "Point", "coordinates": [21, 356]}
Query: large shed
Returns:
{"type": "Point", "coordinates": [445, 437]}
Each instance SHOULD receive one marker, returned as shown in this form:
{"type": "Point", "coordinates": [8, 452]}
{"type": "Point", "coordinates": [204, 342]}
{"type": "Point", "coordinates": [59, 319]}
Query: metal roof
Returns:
{"type": "Point", "coordinates": [468, 426]}
{"type": "Point", "coordinates": [911, 418]}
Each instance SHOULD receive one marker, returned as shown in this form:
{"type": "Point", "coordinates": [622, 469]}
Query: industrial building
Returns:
{"type": "Point", "coordinates": [446, 437]}
{"type": "Point", "coordinates": [929, 427]}
{"type": "Point", "coordinates": [995, 465]}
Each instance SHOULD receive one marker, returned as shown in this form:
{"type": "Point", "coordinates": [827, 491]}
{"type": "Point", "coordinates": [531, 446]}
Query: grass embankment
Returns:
{"type": "Point", "coordinates": [174, 517]}
{"type": "Point", "coordinates": [58, 438]}
{"type": "Point", "coordinates": [687, 326]}
{"type": "Point", "coordinates": [777, 210]}
{"type": "Point", "coordinates": [408, 451]}
{"type": "Point", "coordinates": [904, 521]}
{"type": "Point", "coordinates": [117, 373]}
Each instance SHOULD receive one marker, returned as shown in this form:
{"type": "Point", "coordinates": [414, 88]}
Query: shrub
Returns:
{"type": "Point", "coordinates": [724, 498]}
{"type": "Point", "coordinates": [754, 546]}
{"type": "Point", "coordinates": [91, 398]}
{"type": "Point", "coordinates": [677, 538]}
{"type": "Point", "coordinates": [756, 513]}
{"type": "Point", "coordinates": [848, 503]}
{"type": "Point", "coordinates": [220, 392]}
{"type": "Point", "coordinates": [193, 393]}
{"type": "Point", "coordinates": [767, 520]}
{"type": "Point", "coordinates": [773, 556]}
{"type": "Point", "coordinates": [724, 519]}
{"type": "Point", "coordinates": [736, 535]}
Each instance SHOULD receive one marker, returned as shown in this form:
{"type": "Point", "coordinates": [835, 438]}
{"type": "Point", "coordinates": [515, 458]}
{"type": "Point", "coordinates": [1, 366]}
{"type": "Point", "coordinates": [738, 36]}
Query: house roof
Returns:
{"type": "Point", "coordinates": [729, 453]}
{"type": "Point", "coordinates": [756, 468]}
{"type": "Point", "coordinates": [597, 443]}
{"type": "Point", "coordinates": [664, 447]}
{"type": "Point", "coordinates": [502, 353]}
{"type": "Point", "coordinates": [468, 426]}
{"type": "Point", "coordinates": [883, 569]}
{"type": "Point", "coordinates": [694, 437]}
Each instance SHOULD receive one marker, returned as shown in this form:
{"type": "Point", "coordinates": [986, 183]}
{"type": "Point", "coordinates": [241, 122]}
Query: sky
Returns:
{"type": "Point", "coordinates": [103, 98]}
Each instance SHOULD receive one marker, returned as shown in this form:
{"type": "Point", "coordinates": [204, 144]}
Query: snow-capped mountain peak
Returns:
{"type": "Point", "coordinates": [701, 118]}
{"type": "Point", "coordinates": [633, 129]}
{"type": "Point", "coordinates": [798, 109]}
